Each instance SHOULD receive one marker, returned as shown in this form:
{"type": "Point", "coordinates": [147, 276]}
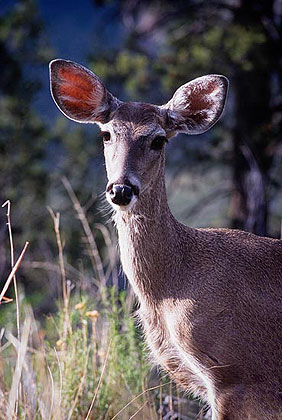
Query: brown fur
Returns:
{"type": "Point", "coordinates": [210, 299]}
{"type": "Point", "coordinates": [223, 288]}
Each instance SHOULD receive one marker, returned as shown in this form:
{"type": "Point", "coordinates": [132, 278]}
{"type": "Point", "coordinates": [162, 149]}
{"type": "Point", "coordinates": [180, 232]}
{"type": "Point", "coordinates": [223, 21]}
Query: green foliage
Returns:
{"type": "Point", "coordinates": [101, 358]}
{"type": "Point", "coordinates": [87, 360]}
{"type": "Point", "coordinates": [105, 348]}
{"type": "Point", "coordinates": [68, 352]}
{"type": "Point", "coordinates": [112, 342]}
{"type": "Point", "coordinates": [127, 345]}
{"type": "Point", "coordinates": [34, 155]}
{"type": "Point", "coordinates": [241, 41]}
{"type": "Point", "coordinates": [130, 70]}
{"type": "Point", "coordinates": [23, 134]}
{"type": "Point", "coordinates": [164, 47]}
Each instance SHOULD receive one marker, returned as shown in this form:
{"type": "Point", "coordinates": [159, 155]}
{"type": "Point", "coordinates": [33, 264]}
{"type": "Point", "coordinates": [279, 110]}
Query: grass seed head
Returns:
{"type": "Point", "coordinates": [59, 343]}
{"type": "Point", "coordinates": [79, 306]}
{"type": "Point", "coordinates": [93, 315]}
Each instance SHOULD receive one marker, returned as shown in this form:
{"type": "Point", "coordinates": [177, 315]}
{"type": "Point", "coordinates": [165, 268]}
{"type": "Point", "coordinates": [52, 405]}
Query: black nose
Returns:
{"type": "Point", "coordinates": [121, 194]}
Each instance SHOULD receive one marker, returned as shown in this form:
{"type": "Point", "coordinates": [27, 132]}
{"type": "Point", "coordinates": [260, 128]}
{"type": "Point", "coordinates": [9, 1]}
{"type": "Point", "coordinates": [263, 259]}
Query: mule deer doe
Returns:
{"type": "Point", "coordinates": [210, 299]}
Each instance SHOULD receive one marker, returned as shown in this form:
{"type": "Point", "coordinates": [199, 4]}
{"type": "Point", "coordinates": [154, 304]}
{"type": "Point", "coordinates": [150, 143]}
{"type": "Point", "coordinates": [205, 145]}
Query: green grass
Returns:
{"type": "Point", "coordinates": [88, 359]}
{"type": "Point", "coordinates": [98, 358]}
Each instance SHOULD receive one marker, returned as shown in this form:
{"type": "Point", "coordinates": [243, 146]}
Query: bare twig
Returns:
{"type": "Point", "coordinates": [8, 204]}
{"type": "Point", "coordinates": [13, 272]}
{"type": "Point", "coordinates": [61, 376]}
{"type": "Point", "coordinates": [138, 396]}
{"type": "Point", "coordinates": [18, 371]}
{"type": "Point", "coordinates": [56, 221]}
{"type": "Point", "coordinates": [112, 270]}
{"type": "Point", "coordinates": [161, 400]}
{"type": "Point", "coordinates": [221, 192]}
{"type": "Point", "coordinates": [6, 300]}
{"type": "Point", "coordinates": [138, 411]}
{"type": "Point", "coordinates": [99, 382]}
{"type": "Point", "coordinates": [93, 249]}
{"type": "Point", "coordinates": [48, 266]}
{"type": "Point", "coordinates": [65, 288]}
{"type": "Point", "coordinates": [170, 400]}
{"type": "Point", "coordinates": [81, 385]}
{"type": "Point", "coordinates": [178, 403]}
{"type": "Point", "coordinates": [52, 394]}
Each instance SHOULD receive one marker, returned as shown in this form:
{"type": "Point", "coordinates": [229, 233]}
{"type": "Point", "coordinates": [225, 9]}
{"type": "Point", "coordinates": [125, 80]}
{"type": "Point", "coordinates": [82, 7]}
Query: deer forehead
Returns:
{"type": "Point", "coordinates": [132, 121]}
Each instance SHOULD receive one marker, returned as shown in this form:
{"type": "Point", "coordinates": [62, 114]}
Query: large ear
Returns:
{"type": "Point", "coordinates": [196, 106]}
{"type": "Point", "coordinates": [79, 93]}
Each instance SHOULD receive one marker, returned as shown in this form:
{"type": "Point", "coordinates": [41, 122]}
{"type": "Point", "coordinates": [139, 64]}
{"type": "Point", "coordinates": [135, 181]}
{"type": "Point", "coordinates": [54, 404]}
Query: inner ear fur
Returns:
{"type": "Point", "coordinates": [196, 106]}
{"type": "Point", "coordinates": [79, 93]}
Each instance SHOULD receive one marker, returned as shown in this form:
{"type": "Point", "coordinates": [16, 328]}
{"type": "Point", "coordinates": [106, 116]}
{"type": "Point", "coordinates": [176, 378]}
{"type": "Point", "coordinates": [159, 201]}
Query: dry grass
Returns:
{"type": "Point", "coordinates": [85, 362]}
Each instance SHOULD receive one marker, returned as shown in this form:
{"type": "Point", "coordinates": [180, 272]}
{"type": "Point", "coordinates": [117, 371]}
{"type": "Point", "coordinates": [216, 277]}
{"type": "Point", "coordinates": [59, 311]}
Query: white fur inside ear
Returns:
{"type": "Point", "coordinates": [199, 104]}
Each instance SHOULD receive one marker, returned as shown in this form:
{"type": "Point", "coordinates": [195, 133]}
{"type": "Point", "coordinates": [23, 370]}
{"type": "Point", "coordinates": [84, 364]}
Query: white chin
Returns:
{"type": "Point", "coordinates": [122, 208]}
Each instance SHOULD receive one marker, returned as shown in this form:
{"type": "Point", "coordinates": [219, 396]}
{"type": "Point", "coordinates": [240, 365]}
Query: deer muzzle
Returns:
{"type": "Point", "coordinates": [122, 195]}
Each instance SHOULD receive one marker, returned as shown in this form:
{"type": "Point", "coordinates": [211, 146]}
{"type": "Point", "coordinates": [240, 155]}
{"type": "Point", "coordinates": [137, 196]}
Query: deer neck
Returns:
{"type": "Point", "coordinates": [147, 241]}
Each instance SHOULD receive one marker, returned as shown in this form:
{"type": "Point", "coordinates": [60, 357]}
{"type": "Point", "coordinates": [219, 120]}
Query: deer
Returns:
{"type": "Point", "coordinates": [210, 300]}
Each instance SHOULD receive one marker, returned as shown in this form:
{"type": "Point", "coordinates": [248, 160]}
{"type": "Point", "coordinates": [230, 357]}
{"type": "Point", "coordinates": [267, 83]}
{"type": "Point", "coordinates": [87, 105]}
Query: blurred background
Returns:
{"type": "Point", "coordinates": [143, 50]}
{"type": "Point", "coordinates": [229, 177]}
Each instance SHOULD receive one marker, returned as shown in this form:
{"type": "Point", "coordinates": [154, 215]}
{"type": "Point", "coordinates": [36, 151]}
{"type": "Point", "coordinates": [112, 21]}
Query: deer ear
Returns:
{"type": "Point", "coordinates": [79, 93]}
{"type": "Point", "coordinates": [196, 106]}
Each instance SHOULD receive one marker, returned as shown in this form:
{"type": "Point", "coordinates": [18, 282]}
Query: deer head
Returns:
{"type": "Point", "coordinates": [135, 133]}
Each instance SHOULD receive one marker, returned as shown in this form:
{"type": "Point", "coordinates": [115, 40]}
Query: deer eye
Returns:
{"type": "Point", "coordinates": [158, 143]}
{"type": "Point", "coordinates": [106, 136]}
